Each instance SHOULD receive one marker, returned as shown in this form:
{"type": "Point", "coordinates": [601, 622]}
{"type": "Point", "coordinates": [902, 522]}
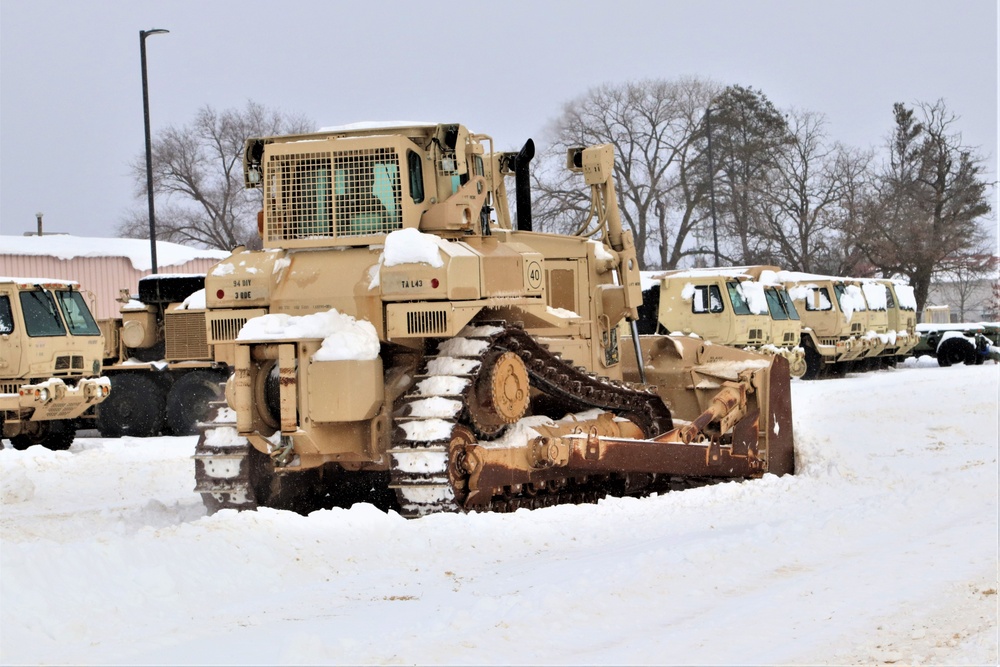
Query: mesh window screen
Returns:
{"type": "Point", "coordinates": [346, 193]}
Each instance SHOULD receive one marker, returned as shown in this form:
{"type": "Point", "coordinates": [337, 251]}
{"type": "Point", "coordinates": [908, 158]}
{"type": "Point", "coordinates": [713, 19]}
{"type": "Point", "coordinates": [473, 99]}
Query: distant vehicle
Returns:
{"type": "Point", "coordinates": [50, 361]}
{"type": "Point", "coordinates": [961, 343]}
{"type": "Point", "coordinates": [744, 307]}
{"type": "Point", "coordinates": [159, 361]}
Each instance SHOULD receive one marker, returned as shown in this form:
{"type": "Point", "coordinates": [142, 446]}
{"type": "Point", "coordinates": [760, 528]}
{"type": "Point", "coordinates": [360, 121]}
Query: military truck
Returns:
{"type": "Point", "coordinates": [50, 361]}
{"type": "Point", "coordinates": [158, 360]}
{"type": "Point", "coordinates": [889, 320]}
{"type": "Point", "coordinates": [400, 341]}
{"type": "Point", "coordinates": [832, 335]}
{"type": "Point", "coordinates": [742, 307]}
{"type": "Point", "coordinates": [958, 343]}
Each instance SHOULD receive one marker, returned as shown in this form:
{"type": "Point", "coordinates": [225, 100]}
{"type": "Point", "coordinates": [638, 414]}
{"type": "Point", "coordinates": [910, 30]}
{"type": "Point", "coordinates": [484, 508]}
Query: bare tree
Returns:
{"type": "Point", "coordinates": [198, 177]}
{"type": "Point", "coordinates": [807, 197]}
{"type": "Point", "coordinates": [931, 198]}
{"type": "Point", "coordinates": [652, 126]}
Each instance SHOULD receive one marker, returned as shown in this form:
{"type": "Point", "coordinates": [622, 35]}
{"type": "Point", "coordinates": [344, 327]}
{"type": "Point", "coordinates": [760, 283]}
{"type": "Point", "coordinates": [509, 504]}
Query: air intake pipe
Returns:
{"type": "Point", "coordinates": [522, 185]}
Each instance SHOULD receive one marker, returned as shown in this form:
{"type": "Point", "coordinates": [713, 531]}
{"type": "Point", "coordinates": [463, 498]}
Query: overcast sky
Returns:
{"type": "Point", "coordinates": [71, 93]}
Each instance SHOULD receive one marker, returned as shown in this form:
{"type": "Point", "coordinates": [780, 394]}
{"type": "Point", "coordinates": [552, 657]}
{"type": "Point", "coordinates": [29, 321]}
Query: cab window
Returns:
{"type": "Point", "coordinates": [740, 306]}
{"type": "Point", "coordinates": [6, 316]}
{"type": "Point", "coordinates": [77, 315]}
{"type": "Point", "coordinates": [890, 303]}
{"type": "Point", "coordinates": [41, 316]}
{"type": "Point", "coordinates": [707, 299]}
{"type": "Point", "coordinates": [416, 168]}
{"type": "Point", "coordinates": [819, 299]}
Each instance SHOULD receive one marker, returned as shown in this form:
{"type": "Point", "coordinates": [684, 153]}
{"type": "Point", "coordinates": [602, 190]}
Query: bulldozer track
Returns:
{"type": "Point", "coordinates": [437, 412]}
{"type": "Point", "coordinates": [222, 462]}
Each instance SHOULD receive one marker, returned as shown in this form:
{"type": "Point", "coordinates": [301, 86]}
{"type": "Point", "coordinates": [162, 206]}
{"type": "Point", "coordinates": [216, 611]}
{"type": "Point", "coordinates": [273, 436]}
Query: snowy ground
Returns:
{"type": "Point", "coordinates": [883, 549]}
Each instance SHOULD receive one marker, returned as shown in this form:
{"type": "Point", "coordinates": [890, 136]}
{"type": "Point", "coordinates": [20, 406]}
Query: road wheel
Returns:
{"type": "Point", "coordinates": [135, 406]}
{"type": "Point", "coordinates": [955, 351]}
{"type": "Point", "coordinates": [189, 399]}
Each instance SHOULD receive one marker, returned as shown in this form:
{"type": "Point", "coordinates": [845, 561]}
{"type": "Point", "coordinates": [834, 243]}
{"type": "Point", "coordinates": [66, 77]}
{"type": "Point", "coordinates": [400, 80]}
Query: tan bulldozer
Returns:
{"type": "Point", "coordinates": [401, 340]}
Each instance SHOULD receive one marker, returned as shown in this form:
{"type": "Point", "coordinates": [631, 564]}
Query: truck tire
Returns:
{"type": "Point", "coordinates": [56, 435]}
{"type": "Point", "coordinates": [956, 351]}
{"type": "Point", "coordinates": [135, 406]}
{"type": "Point", "coordinates": [814, 363]}
{"type": "Point", "coordinates": [189, 398]}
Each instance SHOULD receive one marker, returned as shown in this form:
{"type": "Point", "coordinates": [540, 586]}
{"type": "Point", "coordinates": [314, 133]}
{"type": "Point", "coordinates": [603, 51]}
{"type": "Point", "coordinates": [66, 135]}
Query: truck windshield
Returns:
{"type": "Point", "coordinates": [740, 306]}
{"type": "Point", "coordinates": [77, 315]}
{"type": "Point", "coordinates": [41, 317]}
{"type": "Point", "coordinates": [787, 302]}
{"type": "Point", "coordinates": [774, 304]}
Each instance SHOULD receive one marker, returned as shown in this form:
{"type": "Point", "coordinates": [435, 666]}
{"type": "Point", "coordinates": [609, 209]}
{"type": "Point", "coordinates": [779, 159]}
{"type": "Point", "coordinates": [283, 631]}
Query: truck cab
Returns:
{"type": "Point", "coordinates": [50, 361]}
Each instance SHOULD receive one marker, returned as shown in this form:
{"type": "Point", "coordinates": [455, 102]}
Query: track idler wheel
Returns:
{"type": "Point", "coordinates": [501, 394]}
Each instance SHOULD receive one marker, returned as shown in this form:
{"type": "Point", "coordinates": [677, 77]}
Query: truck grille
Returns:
{"type": "Point", "coordinates": [9, 387]}
{"type": "Point", "coordinates": [185, 336]}
{"type": "Point", "coordinates": [332, 194]}
{"type": "Point", "coordinates": [67, 362]}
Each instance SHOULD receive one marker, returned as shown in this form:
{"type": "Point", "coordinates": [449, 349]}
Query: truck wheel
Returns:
{"type": "Point", "coordinates": [814, 363]}
{"type": "Point", "coordinates": [955, 351]}
{"type": "Point", "coordinates": [135, 406]}
{"type": "Point", "coordinates": [189, 399]}
{"type": "Point", "coordinates": [56, 435]}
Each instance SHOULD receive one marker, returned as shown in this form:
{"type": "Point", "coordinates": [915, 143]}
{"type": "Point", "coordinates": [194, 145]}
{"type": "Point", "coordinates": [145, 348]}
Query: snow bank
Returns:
{"type": "Point", "coordinates": [886, 536]}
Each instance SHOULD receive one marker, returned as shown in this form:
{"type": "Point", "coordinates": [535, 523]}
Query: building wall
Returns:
{"type": "Point", "coordinates": [103, 277]}
{"type": "Point", "coordinates": [969, 303]}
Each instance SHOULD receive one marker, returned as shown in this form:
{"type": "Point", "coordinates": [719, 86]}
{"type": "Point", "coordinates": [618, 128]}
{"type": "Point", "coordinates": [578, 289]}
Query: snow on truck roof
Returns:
{"type": "Point", "coordinates": [42, 282]}
{"type": "Point", "coordinates": [65, 246]}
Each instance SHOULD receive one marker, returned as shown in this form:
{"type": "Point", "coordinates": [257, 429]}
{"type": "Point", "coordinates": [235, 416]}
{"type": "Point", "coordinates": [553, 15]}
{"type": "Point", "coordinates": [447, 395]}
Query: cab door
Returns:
{"type": "Point", "coordinates": [10, 343]}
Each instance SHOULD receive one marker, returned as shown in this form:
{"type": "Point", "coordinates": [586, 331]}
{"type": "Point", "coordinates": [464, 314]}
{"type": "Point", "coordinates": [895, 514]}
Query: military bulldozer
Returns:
{"type": "Point", "coordinates": [50, 362]}
{"type": "Point", "coordinates": [158, 360]}
{"type": "Point", "coordinates": [401, 340]}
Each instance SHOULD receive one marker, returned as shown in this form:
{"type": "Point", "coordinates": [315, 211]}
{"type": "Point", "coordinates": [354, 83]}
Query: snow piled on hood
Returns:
{"type": "Point", "coordinates": [344, 338]}
{"type": "Point", "coordinates": [411, 246]}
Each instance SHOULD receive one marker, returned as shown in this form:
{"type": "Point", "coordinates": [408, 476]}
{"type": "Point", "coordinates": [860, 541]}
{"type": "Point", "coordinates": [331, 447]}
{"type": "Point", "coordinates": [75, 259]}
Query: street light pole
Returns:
{"type": "Point", "coordinates": [149, 157]}
{"type": "Point", "coordinates": [711, 183]}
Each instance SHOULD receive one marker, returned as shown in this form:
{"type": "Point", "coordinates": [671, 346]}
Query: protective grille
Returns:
{"type": "Point", "coordinates": [9, 387]}
{"type": "Point", "coordinates": [430, 322]}
{"type": "Point", "coordinates": [185, 336]}
{"type": "Point", "coordinates": [333, 194]}
{"type": "Point", "coordinates": [62, 363]}
{"type": "Point", "coordinates": [227, 329]}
